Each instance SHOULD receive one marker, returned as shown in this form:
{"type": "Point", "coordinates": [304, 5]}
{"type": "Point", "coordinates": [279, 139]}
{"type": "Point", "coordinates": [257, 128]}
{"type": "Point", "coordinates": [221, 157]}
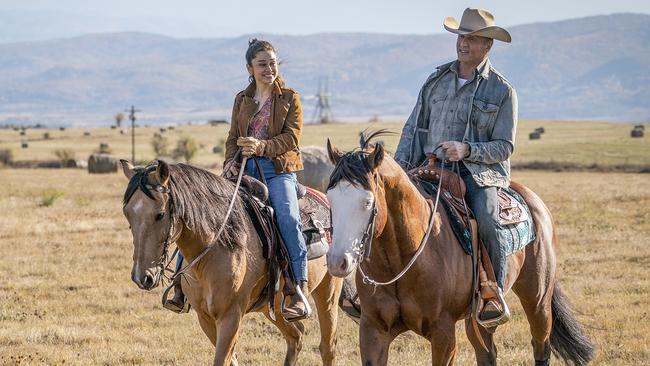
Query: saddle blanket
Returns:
{"type": "Point", "coordinates": [518, 233]}
{"type": "Point", "coordinates": [515, 220]}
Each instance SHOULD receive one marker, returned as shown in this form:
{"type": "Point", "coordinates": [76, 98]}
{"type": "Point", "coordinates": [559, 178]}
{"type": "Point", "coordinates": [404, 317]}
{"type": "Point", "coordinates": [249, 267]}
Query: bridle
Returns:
{"type": "Point", "coordinates": [143, 184]}
{"type": "Point", "coordinates": [164, 262]}
{"type": "Point", "coordinates": [365, 244]}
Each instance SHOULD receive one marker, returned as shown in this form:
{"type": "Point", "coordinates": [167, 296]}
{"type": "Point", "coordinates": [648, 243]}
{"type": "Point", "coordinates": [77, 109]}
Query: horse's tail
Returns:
{"type": "Point", "coordinates": [568, 338]}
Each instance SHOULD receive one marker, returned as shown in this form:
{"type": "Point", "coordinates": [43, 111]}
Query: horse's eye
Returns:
{"type": "Point", "coordinates": [160, 216]}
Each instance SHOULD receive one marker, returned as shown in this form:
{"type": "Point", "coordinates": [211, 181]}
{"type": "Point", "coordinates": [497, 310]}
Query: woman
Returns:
{"type": "Point", "coordinates": [266, 124]}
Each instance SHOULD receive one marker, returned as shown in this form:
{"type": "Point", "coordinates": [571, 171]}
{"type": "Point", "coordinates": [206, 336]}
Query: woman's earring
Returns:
{"type": "Point", "coordinates": [251, 78]}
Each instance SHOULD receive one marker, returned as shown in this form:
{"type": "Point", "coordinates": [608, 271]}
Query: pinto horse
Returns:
{"type": "Point", "coordinates": [374, 203]}
{"type": "Point", "coordinates": [183, 204]}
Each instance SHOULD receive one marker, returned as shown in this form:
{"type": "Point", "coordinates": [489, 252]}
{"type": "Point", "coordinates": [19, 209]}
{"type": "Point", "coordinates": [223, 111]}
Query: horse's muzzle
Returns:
{"type": "Point", "coordinates": [340, 265]}
{"type": "Point", "coordinates": [146, 281]}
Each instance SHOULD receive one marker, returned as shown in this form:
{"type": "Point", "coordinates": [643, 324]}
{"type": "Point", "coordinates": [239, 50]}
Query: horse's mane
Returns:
{"type": "Point", "coordinates": [352, 166]}
{"type": "Point", "coordinates": [200, 200]}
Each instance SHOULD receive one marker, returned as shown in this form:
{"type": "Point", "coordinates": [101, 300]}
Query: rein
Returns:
{"type": "Point", "coordinates": [370, 229]}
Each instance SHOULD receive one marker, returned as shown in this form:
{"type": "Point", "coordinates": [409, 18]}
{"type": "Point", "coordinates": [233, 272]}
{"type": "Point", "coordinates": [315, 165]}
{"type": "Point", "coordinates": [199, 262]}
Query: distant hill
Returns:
{"type": "Point", "coordinates": [589, 68]}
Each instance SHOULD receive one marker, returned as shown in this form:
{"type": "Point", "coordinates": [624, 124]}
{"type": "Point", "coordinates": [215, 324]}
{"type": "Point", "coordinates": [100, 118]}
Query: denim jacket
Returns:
{"type": "Point", "coordinates": [490, 130]}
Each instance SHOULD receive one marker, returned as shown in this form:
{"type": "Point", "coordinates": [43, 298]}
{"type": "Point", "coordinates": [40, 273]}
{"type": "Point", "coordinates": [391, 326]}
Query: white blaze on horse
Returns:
{"type": "Point", "coordinates": [385, 228]}
{"type": "Point", "coordinates": [187, 205]}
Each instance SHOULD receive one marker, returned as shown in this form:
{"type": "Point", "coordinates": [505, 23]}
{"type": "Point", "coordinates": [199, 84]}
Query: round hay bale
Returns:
{"type": "Point", "coordinates": [102, 163]}
{"type": "Point", "coordinates": [217, 149]}
{"type": "Point", "coordinates": [122, 132]}
{"type": "Point", "coordinates": [534, 136]}
{"type": "Point", "coordinates": [22, 133]}
{"type": "Point", "coordinates": [539, 130]}
{"type": "Point", "coordinates": [636, 133]}
{"type": "Point", "coordinates": [24, 145]}
{"type": "Point", "coordinates": [87, 133]}
{"type": "Point", "coordinates": [61, 128]}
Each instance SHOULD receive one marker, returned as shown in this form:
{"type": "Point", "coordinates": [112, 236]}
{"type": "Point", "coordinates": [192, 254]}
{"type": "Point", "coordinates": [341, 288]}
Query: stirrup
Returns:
{"type": "Point", "coordinates": [171, 305]}
{"type": "Point", "coordinates": [303, 298]}
{"type": "Point", "coordinates": [501, 319]}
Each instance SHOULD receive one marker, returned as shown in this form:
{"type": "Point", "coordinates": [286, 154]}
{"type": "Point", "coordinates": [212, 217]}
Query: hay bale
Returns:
{"type": "Point", "coordinates": [539, 130]}
{"type": "Point", "coordinates": [24, 145]}
{"type": "Point", "coordinates": [61, 128]}
{"type": "Point", "coordinates": [639, 127]}
{"type": "Point", "coordinates": [534, 136]}
{"type": "Point", "coordinates": [122, 132]}
{"type": "Point", "coordinates": [46, 136]}
{"type": "Point", "coordinates": [22, 133]}
{"type": "Point", "coordinates": [217, 149]}
{"type": "Point", "coordinates": [102, 163]}
{"type": "Point", "coordinates": [636, 133]}
{"type": "Point", "coordinates": [87, 133]}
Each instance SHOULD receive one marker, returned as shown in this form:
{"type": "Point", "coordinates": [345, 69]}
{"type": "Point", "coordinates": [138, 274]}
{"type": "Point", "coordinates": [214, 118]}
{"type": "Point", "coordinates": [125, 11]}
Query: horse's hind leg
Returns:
{"type": "Point", "coordinates": [326, 297]}
{"type": "Point", "coordinates": [538, 313]}
{"type": "Point", "coordinates": [484, 357]}
{"type": "Point", "coordinates": [292, 333]}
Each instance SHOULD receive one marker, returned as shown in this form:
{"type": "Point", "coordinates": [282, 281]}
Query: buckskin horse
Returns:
{"type": "Point", "coordinates": [436, 291]}
{"type": "Point", "coordinates": [166, 203]}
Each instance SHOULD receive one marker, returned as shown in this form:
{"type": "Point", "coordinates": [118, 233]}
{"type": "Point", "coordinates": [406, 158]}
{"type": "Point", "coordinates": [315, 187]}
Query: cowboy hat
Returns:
{"type": "Point", "coordinates": [477, 22]}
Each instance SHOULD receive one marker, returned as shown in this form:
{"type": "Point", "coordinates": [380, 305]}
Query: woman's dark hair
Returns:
{"type": "Point", "coordinates": [256, 46]}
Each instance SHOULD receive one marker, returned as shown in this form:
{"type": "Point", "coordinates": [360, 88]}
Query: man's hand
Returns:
{"type": "Point", "coordinates": [251, 146]}
{"type": "Point", "coordinates": [454, 150]}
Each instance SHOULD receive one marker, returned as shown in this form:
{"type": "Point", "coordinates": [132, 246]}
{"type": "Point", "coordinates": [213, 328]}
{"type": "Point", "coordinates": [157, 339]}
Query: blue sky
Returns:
{"type": "Point", "coordinates": [211, 18]}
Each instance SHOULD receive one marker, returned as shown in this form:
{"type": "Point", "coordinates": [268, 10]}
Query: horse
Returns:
{"type": "Point", "coordinates": [436, 291]}
{"type": "Point", "coordinates": [166, 203]}
{"type": "Point", "coordinates": [317, 167]}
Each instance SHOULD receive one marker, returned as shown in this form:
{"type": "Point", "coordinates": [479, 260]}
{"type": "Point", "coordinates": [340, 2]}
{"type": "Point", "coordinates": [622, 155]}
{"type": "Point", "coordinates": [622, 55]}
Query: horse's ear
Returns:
{"type": "Point", "coordinates": [127, 168]}
{"type": "Point", "coordinates": [162, 172]}
{"type": "Point", "coordinates": [376, 156]}
{"type": "Point", "coordinates": [333, 153]}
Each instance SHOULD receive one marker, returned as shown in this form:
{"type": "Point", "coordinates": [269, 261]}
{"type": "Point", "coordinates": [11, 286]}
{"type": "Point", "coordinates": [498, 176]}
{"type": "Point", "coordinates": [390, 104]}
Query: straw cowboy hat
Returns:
{"type": "Point", "coordinates": [477, 22]}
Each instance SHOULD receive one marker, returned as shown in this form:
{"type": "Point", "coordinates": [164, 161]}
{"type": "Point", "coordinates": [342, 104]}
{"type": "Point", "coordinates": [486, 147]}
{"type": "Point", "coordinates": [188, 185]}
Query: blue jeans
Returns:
{"type": "Point", "coordinates": [284, 200]}
{"type": "Point", "coordinates": [484, 203]}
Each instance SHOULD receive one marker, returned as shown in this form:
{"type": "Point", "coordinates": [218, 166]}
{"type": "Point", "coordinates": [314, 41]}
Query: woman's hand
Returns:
{"type": "Point", "coordinates": [251, 146]}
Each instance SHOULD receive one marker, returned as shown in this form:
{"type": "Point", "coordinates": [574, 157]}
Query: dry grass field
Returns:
{"type": "Point", "coordinates": [66, 296]}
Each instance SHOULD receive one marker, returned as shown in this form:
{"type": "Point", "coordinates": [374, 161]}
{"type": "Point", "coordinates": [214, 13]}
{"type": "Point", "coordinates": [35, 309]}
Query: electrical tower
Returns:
{"type": "Point", "coordinates": [322, 111]}
{"type": "Point", "coordinates": [132, 118]}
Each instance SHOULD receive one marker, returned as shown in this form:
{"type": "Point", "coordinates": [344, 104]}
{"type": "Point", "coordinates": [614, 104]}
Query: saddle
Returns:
{"type": "Point", "coordinates": [316, 227]}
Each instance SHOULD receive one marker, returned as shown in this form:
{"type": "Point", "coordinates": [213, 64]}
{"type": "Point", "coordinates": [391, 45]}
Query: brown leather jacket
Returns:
{"type": "Point", "coordinates": [285, 126]}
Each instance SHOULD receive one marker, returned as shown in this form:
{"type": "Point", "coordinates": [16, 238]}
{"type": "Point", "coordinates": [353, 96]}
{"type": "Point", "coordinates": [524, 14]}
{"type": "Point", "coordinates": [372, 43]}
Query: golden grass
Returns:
{"type": "Point", "coordinates": [575, 142]}
{"type": "Point", "coordinates": [66, 294]}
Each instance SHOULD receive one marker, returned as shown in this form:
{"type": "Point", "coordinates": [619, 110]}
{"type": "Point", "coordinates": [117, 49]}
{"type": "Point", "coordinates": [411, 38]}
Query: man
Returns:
{"type": "Point", "coordinates": [467, 112]}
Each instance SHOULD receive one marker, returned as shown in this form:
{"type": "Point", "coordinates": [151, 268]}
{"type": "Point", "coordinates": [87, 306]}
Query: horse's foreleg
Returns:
{"type": "Point", "coordinates": [326, 297]}
{"type": "Point", "coordinates": [374, 344]}
{"type": "Point", "coordinates": [443, 344]}
{"type": "Point", "coordinates": [227, 330]}
{"type": "Point", "coordinates": [484, 357]}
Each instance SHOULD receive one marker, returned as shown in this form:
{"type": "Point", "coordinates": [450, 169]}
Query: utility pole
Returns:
{"type": "Point", "coordinates": [132, 118]}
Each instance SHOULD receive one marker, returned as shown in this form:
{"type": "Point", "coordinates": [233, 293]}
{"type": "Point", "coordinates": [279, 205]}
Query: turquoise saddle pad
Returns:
{"type": "Point", "coordinates": [520, 234]}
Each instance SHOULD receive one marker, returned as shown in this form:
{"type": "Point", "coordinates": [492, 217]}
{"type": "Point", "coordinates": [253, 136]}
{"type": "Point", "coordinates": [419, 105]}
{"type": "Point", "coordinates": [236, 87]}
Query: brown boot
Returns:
{"type": "Point", "coordinates": [178, 303]}
{"type": "Point", "coordinates": [298, 307]}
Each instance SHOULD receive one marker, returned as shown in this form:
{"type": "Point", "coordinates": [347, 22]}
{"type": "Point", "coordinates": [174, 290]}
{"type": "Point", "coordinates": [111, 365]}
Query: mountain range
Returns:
{"type": "Point", "coordinates": [592, 68]}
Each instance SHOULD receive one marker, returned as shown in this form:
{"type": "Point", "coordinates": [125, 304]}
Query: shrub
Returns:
{"type": "Point", "coordinates": [64, 154]}
{"type": "Point", "coordinates": [160, 145]}
{"type": "Point", "coordinates": [104, 149]}
{"type": "Point", "coordinates": [48, 198]}
{"type": "Point", "coordinates": [186, 148]}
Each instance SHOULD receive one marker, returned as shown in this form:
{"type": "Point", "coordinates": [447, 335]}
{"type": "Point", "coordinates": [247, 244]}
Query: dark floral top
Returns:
{"type": "Point", "coordinates": [259, 126]}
